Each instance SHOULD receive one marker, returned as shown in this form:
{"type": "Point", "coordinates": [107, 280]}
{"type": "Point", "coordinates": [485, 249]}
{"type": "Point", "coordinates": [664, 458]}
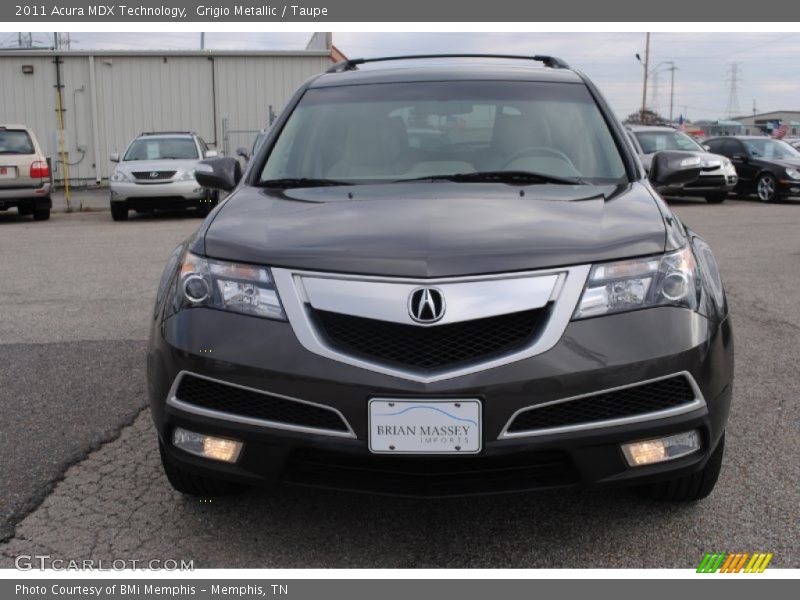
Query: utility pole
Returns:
{"type": "Point", "coordinates": [202, 40]}
{"type": "Point", "coordinates": [754, 107]}
{"type": "Point", "coordinates": [646, 67]}
{"type": "Point", "coordinates": [25, 40]}
{"type": "Point", "coordinates": [672, 69]}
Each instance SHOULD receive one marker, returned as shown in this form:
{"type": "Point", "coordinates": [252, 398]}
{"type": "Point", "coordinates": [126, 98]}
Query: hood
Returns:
{"type": "Point", "coordinates": [785, 162]}
{"type": "Point", "coordinates": [434, 229]}
{"type": "Point", "coordinates": [180, 165]}
{"type": "Point", "coordinates": [711, 162]}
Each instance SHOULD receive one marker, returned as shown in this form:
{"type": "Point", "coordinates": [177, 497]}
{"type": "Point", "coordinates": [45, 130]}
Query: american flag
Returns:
{"type": "Point", "coordinates": [681, 124]}
{"type": "Point", "coordinates": [780, 132]}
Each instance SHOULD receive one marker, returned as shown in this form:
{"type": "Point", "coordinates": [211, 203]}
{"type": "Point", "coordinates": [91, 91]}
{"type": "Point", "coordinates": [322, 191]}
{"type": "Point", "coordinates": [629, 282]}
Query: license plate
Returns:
{"type": "Point", "coordinates": [424, 427]}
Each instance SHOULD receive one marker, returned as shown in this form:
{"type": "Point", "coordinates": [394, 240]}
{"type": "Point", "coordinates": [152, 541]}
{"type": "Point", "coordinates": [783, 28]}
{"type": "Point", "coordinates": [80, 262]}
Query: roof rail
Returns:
{"type": "Point", "coordinates": [352, 64]}
{"type": "Point", "coordinates": [166, 133]}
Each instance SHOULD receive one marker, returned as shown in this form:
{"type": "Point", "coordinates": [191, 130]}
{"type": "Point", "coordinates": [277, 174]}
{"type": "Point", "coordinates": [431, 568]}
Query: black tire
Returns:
{"type": "Point", "coordinates": [691, 487]}
{"type": "Point", "coordinates": [718, 198]}
{"type": "Point", "coordinates": [195, 485]}
{"type": "Point", "coordinates": [41, 214]}
{"type": "Point", "coordinates": [767, 188]}
{"type": "Point", "coordinates": [119, 212]}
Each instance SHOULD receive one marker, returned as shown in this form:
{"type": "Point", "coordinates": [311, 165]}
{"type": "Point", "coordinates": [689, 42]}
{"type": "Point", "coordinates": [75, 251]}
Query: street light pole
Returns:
{"type": "Point", "coordinates": [672, 69]}
{"type": "Point", "coordinates": [644, 83]}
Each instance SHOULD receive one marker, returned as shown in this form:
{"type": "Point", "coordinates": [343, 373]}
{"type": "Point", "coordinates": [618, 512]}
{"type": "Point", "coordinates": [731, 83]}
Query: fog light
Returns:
{"type": "Point", "coordinates": [646, 452]}
{"type": "Point", "coordinates": [207, 446]}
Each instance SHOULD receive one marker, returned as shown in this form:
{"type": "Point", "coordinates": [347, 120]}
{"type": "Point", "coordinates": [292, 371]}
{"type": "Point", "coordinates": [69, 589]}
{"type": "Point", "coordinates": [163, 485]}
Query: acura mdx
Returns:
{"type": "Point", "coordinates": [443, 276]}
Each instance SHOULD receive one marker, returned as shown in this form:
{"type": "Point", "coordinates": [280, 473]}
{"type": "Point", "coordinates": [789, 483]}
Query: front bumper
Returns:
{"type": "Point", "coordinates": [592, 355]}
{"type": "Point", "coordinates": [189, 191]}
{"type": "Point", "coordinates": [715, 182]}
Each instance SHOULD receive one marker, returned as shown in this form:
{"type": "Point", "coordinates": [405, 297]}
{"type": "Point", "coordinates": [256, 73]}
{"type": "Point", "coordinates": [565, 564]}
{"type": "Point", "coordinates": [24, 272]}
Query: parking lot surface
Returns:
{"type": "Point", "coordinates": [80, 476]}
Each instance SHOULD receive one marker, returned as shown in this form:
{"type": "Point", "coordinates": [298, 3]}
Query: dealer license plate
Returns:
{"type": "Point", "coordinates": [8, 172]}
{"type": "Point", "coordinates": [424, 427]}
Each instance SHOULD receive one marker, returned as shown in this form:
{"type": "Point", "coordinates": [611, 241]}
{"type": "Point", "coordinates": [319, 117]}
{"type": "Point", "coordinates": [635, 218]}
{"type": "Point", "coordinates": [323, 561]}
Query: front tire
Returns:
{"type": "Point", "coordinates": [767, 188]}
{"type": "Point", "coordinates": [195, 485]}
{"type": "Point", "coordinates": [119, 212]}
{"type": "Point", "coordinates": [691, 487]}
{"type": "Point", "coordinates": [718, 198]}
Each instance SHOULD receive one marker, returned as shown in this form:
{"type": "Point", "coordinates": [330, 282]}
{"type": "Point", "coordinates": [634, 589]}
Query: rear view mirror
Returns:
{"type": "Point", "coordinates": [243, 153]}
{"type": "Point", "coordinates": [674, 169]}
{"type": "Point", "coordinates": [211, 154]}
{"type": "Point", "coordinates": [742, 158]}
{"type": "Point", "coordinates": [222, 173]}
{"type": "Point", "coordinates": [114, 157]}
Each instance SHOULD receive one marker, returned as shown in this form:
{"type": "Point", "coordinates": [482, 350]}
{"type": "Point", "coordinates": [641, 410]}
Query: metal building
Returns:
{"type": "Point", "coordinates": [108, 97]}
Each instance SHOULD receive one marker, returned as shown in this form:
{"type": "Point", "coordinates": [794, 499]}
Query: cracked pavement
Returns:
{"type": "Point", "coordinates": [74, 383]}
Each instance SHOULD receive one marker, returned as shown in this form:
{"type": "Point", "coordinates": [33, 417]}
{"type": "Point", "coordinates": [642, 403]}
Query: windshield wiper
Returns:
{"type": "Point", "coordinates": [299, 182]}
{"type": "Point", "coordinates": [516, 177]}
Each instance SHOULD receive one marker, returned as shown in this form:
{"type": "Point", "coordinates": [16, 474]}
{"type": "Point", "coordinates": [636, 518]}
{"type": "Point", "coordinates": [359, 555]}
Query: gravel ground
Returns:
{"type": "Point", "coordinates": [86, 338]}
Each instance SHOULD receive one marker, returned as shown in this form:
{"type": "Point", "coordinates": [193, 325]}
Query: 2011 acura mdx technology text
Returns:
{"type": "Point", "coordinates": [447, 277]}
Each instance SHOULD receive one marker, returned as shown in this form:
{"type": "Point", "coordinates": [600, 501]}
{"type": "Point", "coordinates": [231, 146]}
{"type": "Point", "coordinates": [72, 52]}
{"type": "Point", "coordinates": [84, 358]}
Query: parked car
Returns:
{"type": "Point", "coordinates": [768, 168]}
{"type": "Point", "coordinates": [793, 142]}
{"type": "Point", "coordinates": [517, 309]}
{"type": "Point", "coordinates": [24, 173]}
{"type": "Point", "coordinates": [157, 171]}
{"type": "Point", "coordinates": [717, 177]}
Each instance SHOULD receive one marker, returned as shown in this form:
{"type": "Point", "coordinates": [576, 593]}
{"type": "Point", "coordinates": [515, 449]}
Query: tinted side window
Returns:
{"type": "Point", "coordinates": [731, 147]}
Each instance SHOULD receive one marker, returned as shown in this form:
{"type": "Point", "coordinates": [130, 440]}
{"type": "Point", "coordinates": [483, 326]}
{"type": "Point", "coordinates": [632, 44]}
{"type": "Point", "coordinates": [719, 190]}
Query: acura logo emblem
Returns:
{"type": "Point", "coordinates": [426, 305]}
{"type": "Point", "coordinates": [154, 175]}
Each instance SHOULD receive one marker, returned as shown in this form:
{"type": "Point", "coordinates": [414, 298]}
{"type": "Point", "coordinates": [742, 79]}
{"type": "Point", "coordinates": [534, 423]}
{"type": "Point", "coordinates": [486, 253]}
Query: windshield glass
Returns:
{"type": "Point", "coordinates": [397, 131]}
{"type": "Point", "coordinates": [15, 141]}
{"type": "Point", "coordinates": [161, 148]}
{"type": "Point", "coordinates": [767, 148]}
{"type": "Point", "coordinates": [656, 141]}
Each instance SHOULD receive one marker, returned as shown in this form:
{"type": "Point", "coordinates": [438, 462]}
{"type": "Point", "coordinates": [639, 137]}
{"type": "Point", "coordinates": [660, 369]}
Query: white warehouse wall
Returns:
{"type": "Point", "coordinates": [135, 92]}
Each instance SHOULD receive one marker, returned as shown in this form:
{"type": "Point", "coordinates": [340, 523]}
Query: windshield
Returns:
{"type": "Point", "coordinates": [767, 148]}
{"type": "Point", "coordinates": [15, 141]}
{"type": "Point", "coordinates": [656, 141]}
{"type": "Point", "coordinates": [161, 148]}
{"type": "Point", "coordinates": [398, 131]}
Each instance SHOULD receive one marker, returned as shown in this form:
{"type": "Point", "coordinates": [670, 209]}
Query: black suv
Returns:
{"type": "Point", "coordinates": [766, 167]}
{"type": "Point", "coordinates": [447, 278]}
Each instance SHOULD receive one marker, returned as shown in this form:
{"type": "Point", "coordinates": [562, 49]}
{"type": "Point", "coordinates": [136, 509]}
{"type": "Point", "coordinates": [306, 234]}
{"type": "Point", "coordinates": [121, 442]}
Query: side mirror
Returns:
{"type": "Point", "coordinates": [114, 157]}
{"type": "Point", "coordinates": [222, 173]}
{"type": "Point", "coordinates": [706, 147]}
{"type": "Point", "coordinates": [742, 158]}
{"type": "Point", "coordinates": [674, 169]}
{"type": "Point", "coordinates": [241, 151]}
{"type": "Point", "coordinates": [211, 154]}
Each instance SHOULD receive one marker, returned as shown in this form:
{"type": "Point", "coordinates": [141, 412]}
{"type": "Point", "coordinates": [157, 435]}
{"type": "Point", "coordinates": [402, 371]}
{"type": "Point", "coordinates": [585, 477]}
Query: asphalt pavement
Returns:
{"type": "Point", "coordinates": [80, 476]}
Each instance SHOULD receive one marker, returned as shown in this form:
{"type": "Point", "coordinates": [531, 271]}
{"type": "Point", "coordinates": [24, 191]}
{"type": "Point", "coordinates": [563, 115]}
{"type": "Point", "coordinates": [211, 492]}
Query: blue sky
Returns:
{"type": "Point", "coordinates": [768, 63]}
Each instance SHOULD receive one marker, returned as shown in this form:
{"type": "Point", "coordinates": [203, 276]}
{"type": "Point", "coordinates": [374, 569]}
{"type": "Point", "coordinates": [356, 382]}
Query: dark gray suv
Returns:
{"type": "Point", "coordinates": [443, 276]}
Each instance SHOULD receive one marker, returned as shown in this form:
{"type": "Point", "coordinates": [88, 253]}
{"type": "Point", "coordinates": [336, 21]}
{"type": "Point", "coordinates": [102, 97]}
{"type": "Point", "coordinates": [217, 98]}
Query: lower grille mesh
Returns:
{"type": "Point", "coordinates": [428, 348]}
{"type": "Point", "coordinates": [218, 396]}
{"type": "Point", "coordinates": [627, 402]}
{"type": "Point", "coordinates": [429, 476]}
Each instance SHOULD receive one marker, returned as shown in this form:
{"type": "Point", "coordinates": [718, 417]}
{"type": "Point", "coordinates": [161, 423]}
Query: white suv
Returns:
{"type": "Point", "coordinates": [24, 173]}
{"type": "Point", "coordinates": [156, 171]}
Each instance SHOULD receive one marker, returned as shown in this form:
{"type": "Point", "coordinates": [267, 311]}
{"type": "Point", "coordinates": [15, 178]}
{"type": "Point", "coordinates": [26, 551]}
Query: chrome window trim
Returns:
{"type": "Point", "coordinates": [174, 401]}
{"type": "Point", "coordinates": [696, 404]}
{"type": "Point", "coordinates": [565, 295]}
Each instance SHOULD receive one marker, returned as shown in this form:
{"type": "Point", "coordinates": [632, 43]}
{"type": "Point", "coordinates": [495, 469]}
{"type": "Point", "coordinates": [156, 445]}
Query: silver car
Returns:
{"type": "Point", "coordinates": [157, 172]}
{"type": "Point", "coordinates": [717, 177]}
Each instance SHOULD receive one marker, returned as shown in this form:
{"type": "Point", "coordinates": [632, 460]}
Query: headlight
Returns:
{"type": "Point", "coordinates": [187, 176]}
{"type": "Point", "coordinates": [240, 288]}
{"type": "Point", "coordinates": [668, 280]}
{"type": "Point", "coordinates": [119, 175]}
{"type": "Point", "coordinates": [726, 163]}
{"type": "Point", "coordinates": [793, 173]}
